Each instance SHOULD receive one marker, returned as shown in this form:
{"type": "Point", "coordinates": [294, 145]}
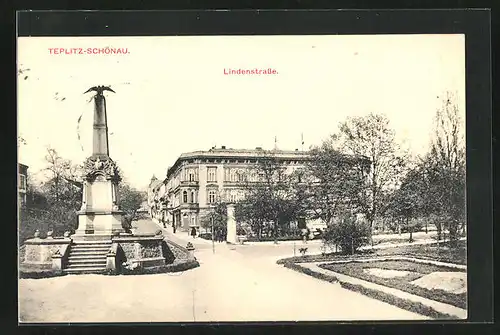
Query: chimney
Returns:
{"type": "Point", "coordinates": [223, 147]}
{"type": "Point", "coordinates": [258, 148]}
{"type": "Point", "coordinates": [296, 149]}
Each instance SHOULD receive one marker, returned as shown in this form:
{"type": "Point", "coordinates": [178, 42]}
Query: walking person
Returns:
{"type": "Point", "coordinates": [193, 232]}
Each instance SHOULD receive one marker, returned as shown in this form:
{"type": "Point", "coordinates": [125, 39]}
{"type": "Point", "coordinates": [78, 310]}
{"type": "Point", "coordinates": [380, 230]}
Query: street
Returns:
{"type": "Point", "coordinates": [236, 283]}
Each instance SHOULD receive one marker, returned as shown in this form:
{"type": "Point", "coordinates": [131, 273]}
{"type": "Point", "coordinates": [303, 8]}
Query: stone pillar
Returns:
{"type": "Point", "coordinates": [100, 144]}
{"type": "Point", "coordinates": [231, 225]}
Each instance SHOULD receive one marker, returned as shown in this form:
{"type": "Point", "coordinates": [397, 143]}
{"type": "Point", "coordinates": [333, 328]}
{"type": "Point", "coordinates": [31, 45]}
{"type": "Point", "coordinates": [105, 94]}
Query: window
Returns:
{"type": "Point", "coordinates": [211, 197]}
{"type": "Point", "coordinates": [241, 176]}
{"type": "Point", "coordinates": [233, 175]}
{"type": "Point", "coordinates": [232, 197]}
{"type": "Point", "coordinates": [185, 196]}
{"type": "Point", "coordinates": [191, 175]}
{"type": "Point", "coordinates": [211, 174]}
{"type": "Point", "coordinates": [192, 196]}
{"type": "Point", "coordinates": [22, 181]}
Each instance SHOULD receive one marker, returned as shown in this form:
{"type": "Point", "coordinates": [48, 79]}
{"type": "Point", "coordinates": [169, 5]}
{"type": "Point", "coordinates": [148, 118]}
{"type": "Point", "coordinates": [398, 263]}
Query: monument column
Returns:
{"type": "Point", "coordinates": [231, 225]}
{"type": "Point", "coordinates": [100, 133]}
{"type": "Point", "coordinates": [100, 217]}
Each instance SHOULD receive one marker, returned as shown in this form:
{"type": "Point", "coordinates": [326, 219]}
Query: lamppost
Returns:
{"type": "Point", "coordinates": [213, 232]}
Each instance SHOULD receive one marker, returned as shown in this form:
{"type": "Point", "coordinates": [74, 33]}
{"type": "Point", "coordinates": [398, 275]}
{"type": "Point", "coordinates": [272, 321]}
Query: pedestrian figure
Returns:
{"type": "Point", "coordinates": [304, 235]}
{"type": "Point", "coordinates": [193, 232]}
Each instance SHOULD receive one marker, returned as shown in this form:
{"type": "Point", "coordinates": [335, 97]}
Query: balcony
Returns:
{"type": "Point", "coordinates": [190, 205]}
{"type": "Point", "coordinates": [191, 183]}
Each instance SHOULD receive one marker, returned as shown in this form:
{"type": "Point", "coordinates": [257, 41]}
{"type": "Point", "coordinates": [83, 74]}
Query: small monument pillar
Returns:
{"type": "Point", "coordinates": [231, 236]}
{"type": "Point", "coordinates": [99, 216]}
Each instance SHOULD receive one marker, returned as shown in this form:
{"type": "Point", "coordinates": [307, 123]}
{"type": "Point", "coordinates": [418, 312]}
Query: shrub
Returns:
{"type": "Point", "coordinates": [349, 234]}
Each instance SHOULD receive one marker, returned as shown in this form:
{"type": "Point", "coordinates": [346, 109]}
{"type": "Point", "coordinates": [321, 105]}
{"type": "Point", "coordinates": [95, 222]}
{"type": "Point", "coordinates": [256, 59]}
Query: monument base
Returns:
{"type": "Point", "coordinates": [98, 225]}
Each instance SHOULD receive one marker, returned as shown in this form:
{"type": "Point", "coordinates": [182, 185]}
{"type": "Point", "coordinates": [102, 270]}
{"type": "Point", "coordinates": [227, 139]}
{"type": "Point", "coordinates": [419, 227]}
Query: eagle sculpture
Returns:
{"type": "Point", "coordinates": [100, 89]}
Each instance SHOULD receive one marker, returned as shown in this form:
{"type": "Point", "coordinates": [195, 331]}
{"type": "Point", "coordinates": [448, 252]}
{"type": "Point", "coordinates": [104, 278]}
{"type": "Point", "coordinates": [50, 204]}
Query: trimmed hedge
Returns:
{"type": "Point", "coordinates": [176, 267]}
{"type": "Point", "coordinates": [326, 257]}
{"type": "Point", "coordinates": [40, 273]}
{"type": "Point", "coordinates": [355, 270]}
{"type": "Point", "coordinates": [411, 306]}
{"type": "Point", "coordinates": [318, 275]}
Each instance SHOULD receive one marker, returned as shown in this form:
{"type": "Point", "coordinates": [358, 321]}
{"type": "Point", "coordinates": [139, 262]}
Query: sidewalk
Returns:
{"type": "Point", "coordinates": [180, 237]}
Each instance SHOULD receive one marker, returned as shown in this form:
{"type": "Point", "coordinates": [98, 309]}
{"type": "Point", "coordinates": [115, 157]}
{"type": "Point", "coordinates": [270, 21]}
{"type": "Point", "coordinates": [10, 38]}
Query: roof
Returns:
{"type": "Point", "coordinates": [155, 183]}
{"type": "Point", "coordinates": [238, 153]}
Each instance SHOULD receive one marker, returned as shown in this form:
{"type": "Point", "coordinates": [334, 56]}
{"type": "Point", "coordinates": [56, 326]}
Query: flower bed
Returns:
{"type": "Point", "coordinates": [430, 251]}
{"type": "Point", "coordinates": [412, 272]}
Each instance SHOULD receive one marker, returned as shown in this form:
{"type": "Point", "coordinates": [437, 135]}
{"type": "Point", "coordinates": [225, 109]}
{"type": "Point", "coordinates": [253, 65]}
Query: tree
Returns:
{"type": "Point", "coordinates": [407, 201]}
{"type": "Point", "coordinates": [349, 233]}
{"type": "Point", "coordinates": [130, 201]}
{"type": "Point", "coordinates": [251, 211]}
{"type": "Point", "coordinates": [444, 168]}
{"type": "Point", "coordinates": [52, 205]}
{"type": "Point", "coordinates": [335, 183]}
{"type": "Point", "coordinates": [372, 137]}
{"type": "Point", "coordinates": [216, 218]}
{"type": "Point", "coordinates": [270, 195]}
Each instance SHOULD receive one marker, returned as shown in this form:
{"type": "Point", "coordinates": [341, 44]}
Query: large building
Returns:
{"type": "Point", "coordinates": [22, 183]}
{"type": "Point", "coordinates": [201, 178]}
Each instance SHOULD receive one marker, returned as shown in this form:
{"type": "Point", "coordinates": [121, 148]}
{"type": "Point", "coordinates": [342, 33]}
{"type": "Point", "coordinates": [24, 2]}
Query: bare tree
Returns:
{"type": "Point", "coordinates": [371, 136]}
{"type": "Point", "coordinates": [444, 167]}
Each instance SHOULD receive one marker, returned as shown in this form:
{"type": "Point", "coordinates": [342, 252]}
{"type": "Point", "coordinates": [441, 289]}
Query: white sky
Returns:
{"type": "Point", "coordinates": [178, 99]}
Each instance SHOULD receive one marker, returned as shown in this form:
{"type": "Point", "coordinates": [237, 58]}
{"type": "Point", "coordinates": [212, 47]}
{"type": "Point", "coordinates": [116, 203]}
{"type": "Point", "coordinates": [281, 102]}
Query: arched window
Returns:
{"type": "Point", "coordinates": [185, 196]}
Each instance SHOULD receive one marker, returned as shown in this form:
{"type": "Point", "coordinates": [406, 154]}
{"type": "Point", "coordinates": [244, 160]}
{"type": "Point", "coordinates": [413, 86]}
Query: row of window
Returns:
{"type": "Point", "coordinates": [191, 197]}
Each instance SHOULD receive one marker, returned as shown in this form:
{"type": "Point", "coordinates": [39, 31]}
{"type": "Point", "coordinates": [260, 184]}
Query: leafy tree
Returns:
{"type": "Point", "coordinates": [270, 195]}
{"type": "Point", "coordinates": [130, 201]}
{"type": "Point", "coordinates": [251, 211]}
{"type": "Point", "coordinates": [335, 183]}
{"type": "Point", "coordinates": [407, 201]}
{"type": "Point", "coordinates": [216, 218]}
{"type": "Point", "coordinates": [372, 137]}
{"type": "Point", "coordinates": [349, 233]}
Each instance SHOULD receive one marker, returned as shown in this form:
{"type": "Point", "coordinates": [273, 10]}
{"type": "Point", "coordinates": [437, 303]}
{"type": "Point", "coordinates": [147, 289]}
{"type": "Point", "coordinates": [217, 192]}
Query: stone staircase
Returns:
{"type": "Point", "coordinates": [87, 257]}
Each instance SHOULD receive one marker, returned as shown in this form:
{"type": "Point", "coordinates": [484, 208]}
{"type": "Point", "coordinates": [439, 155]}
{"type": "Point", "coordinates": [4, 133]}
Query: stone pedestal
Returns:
{"type": "Point", "coordinates": [231, 225]}
{"type": "Point", "coordinates": [99, 216]}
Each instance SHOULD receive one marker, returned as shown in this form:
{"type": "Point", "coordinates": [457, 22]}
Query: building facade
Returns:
{"type": "Point", "coordinates": [22, 183]}
{"type": "Point", "coordinates": [199, 179]}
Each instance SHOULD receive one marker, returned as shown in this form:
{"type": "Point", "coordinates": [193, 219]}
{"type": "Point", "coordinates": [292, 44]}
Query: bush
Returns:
{"type": "Point", "coordinates": [349, 234]}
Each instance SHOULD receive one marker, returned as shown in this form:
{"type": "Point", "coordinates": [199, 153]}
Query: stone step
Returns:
{"type": "Point", "coordinates": [86, 265]}
{"type": "Point", "coordinates": [81, 270]}
{"type": "Point", "coordinates": [88, 246]}
{"type": "Point", "coordinates": [88, 253]}
{"type": "Point", "coordinates": [90, 249]}
{"type": "Point", "coordinates": [92, 242]}
{"type": "Point", "coordinates": [86, 261]}
{"type": "Point", "coordinates": [86, 256]}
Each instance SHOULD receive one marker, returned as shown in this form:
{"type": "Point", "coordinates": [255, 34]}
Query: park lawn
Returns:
{"type": "Point", "coordinates": [417, 270]}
